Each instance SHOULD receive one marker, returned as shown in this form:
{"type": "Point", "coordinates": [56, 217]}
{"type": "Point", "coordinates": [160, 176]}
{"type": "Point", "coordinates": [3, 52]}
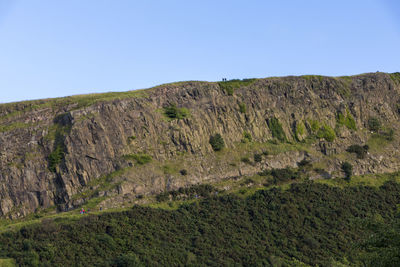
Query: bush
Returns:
{"type": "Point", "coordinates": [283, 175]}
{"type": "Point", "coordinates": [347, 120]}
{"type": "Point", "coordinates": [242, 107]}
{"type": "Point", "coordinates": [314, 125]}
{"type": "Point", "coordinates": [276, 129]}
{"type": "Point", "coordinates": [183, 172]}
{"type": "Point", "coordinates": [230, 86]}
{"type": "Point", "coordinates": [347, 169]}
{"type": "Point", "coordinates": [245, 160]}
{"type": "Point", "coordinates": [304, 163]}
{"type": "Point", "coordinates": [246, 137]}
{"type": "Point", "coordinates": [374, 124]}
{"type": "Point", "coordinates": [217, 142]}
{"type": "Point", "coordinates": [300, 130]}
{"type": "Point", "coordinates": [56, 157]}
{"type": "Point", "coordinates": [173, 112]}
{"type": "Point", "coordinates": [327, 133]}
{"type": "Point", "coordinates": [361, 151]}
{"type": "Point", "coordinates": [257, 157]}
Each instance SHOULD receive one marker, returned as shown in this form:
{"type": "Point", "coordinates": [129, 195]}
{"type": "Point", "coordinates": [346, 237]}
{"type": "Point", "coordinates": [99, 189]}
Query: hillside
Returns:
{"type": "Point", "coordinates": [117, 149]}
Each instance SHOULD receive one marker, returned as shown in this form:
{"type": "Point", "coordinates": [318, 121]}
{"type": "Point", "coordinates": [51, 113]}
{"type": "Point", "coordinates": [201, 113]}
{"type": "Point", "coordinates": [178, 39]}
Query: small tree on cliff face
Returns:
{"type": "Point", "coordinates": [217, 142]}
{"type": "Point", "coordinates": [347, 169]}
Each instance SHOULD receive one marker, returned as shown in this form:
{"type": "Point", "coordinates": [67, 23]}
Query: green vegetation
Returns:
{"type": "Point", "coordinates": [230, 86]}
{"type": "Point", "coordinates": [313, 77]}
{"type": "Point", "coordinates": [327, 133]}
{"type": "Point", "coordinates": [173, 112]}
{"type": "Point", "coordinates": [395, 77]}
{"type": "Point", "coordinates": [242, 107]}
{"type": "Point", "coordinates": [217, 142]}
{"type": "Point", "coordinates": [314, 125]}
{"type": "Point", "coordinates": [300, 130]}
{"type": "Point", "coordinates": [347, 169]}
{"type": "Point", "coordinates": [56, 157]}
{"type": "Point", "coordinates": [61, 128]}
{"type": "Point", "coordinates": [245, 160]}
{"type": "Point", "coordinates": [257, 157]}
{"type": "Point", "coordinates": [103, 183]}
{"type": "Point", "coordinates": [306, 224]}
{"type": "Point", "coordinates": [13, 126]}
{"type": "Point", "coordinates": [280, 176]}
{"type": "Point", "coordinates": [382, 248]}
{"type": "Point", "coordinates": [246, 137]}
{"type": "Point", "coordinates": [75, 102]}
{"type": "Point", "coordinates": [276, 129]}
{"type": "Point", "coordinates": [346, 120]}
{"type": "Point", "coordinates": [374, 124]}
{"type": "Point", "coordinates": [140, 158]}
{"type": "Point", "coordinates": [360, 151]}
{"type": "Point", "coordinates": [7, 262]}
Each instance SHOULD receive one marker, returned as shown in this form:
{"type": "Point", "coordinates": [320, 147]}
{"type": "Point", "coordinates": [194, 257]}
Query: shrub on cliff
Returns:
{"type": "Point", "coordinates": [347, 169]}
{"type": "Point", "coordinates": [56, 157]}
{"type": "Point", "coordinates": [276, 129]}
{"type": "Point", "coordinates": [374, 124]}
{"type": "Point", "coordinates": [173, 112]}
{"type": "Point", "coordinates": [217, 142]}
{"type": "Point", "coordinates": [361, 151]}
{"type": "Point", "coordinates": [327, 133]}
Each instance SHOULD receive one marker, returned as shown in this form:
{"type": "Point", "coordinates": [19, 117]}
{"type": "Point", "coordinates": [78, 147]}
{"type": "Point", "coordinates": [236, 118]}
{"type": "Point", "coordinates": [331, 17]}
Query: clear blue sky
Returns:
{"type": "Point", "coordinates": [57, 48]}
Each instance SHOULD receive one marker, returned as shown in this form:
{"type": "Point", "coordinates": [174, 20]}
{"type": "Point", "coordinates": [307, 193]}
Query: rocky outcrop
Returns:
{"type": "Point", "coordinates": [53, 151]}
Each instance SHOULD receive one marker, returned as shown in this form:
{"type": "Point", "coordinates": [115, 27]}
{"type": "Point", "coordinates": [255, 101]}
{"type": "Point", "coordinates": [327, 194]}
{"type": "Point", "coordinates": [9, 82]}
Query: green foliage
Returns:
{"type": "Point", "coordinates": [257, 157]}
{"type": "Point", "coordinates": [374, 124]}
{"type": "Point", "coordinates": [327, 133]}
{"type": "Point", "coordinates": [318, 78]}
{"type": "Point", "coordinates": [346, 120]}
{"type": "Point", "coordinates": [56, 157]}
{"type": "Point", "coordinates": [382, 248]}
{"type": "Point", "coordinates": [173, 112]}
{"type": "Point", "coordinates": [7, 263]}
{"type": "Point", "coordinates": [308, 223]}
{"type": "Point", "coordinates": [247, 138]}
{"type": "Point", "coordinates": [347, 169]}
{"type": "Point", "coordinates": [395, 77]}
{"type": "Point", "coordinates": [230, 86]}
{"type": "Point", "coordinates": [131, 138]}
{"type": "Point", "coordinates": [314, 125]}
{"type": "Point", "coordinates": [61, 128]}
{"type": "Point", "coordinates": [245, 160]}
{"type": "Point", "coordinates": [242, 107]}
{"type": "Point", "coordinates": [140, 159]}
{"type": "Point", "coordinates": [13, 126]}
{"type": "Point", "coordinates": [217, 142]}
{"type": "Point", "coordinates": [300, 130]}
{"type": "Point", "coordinates": [361, 151]}
{"type": "Point", "coordinates": [276, 128]}
{"type": "Point", "coordinates": [280, 175]}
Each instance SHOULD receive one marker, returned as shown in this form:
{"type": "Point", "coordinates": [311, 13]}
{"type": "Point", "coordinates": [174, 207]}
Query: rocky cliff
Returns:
{"type": "Point", "coordinates": [113, 149]}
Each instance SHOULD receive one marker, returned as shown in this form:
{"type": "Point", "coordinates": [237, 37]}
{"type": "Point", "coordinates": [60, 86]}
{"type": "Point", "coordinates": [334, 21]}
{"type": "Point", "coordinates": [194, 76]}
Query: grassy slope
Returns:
{"type": "Point", "coordinates": [308, 222]}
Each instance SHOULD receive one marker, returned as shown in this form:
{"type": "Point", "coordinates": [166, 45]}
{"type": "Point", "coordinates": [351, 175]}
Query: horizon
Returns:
{"type": "Point", "coordinates": [52, 50]}
{"type": "Point", "coordinates": [157, 85]}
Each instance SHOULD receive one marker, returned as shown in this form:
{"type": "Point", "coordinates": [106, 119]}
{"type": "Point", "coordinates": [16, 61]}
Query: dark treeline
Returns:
{"type": "Point", "coordinates": [310, 222]}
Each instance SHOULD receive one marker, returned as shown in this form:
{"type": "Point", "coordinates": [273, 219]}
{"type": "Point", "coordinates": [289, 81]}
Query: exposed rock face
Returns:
{"type": "Point", "coordinates": [93, 138]}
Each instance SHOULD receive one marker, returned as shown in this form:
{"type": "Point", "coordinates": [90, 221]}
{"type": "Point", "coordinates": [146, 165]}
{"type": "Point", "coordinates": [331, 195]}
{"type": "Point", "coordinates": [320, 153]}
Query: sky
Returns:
{"type": "Point", "coordinates": [58, 48]}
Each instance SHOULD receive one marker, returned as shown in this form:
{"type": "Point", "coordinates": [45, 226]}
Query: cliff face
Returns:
{"type": "Point", "coordinates": [115, 147]}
